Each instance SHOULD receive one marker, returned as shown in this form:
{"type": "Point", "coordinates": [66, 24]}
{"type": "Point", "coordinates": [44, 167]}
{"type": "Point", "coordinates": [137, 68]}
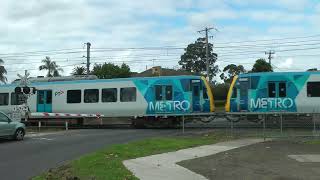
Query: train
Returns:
{"type": "Point", "coordinates": [166, 100]}
{"type": "Point", "coordinates": [291, 92]}
{"type": "Point", "coordinates": [147, 100]}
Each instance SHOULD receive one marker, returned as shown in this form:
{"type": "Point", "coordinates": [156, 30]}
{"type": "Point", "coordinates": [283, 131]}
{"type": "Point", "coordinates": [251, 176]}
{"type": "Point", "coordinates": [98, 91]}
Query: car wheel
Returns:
{"type": "Point", "coordinates": [19, 135]}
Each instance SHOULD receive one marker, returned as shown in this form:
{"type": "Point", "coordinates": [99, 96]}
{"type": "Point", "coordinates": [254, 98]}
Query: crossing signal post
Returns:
{"type": "Point", "coordinates": [26, 91]}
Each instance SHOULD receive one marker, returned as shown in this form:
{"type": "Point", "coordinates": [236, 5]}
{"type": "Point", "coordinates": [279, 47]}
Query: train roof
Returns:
{"type": "Point", "coordinates": [106, 80]}
{"type": "Point", "coordinates": [279, 73]}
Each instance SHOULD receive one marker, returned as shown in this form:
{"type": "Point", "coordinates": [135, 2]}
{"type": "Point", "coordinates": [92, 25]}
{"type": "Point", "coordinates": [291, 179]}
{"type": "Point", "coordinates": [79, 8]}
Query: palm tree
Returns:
{"type": "Point", "coordinates": [3, 71]}
{"type": "Point", "coordinates": [51, 66]}
{"type": "Point", "coordinates": [79, 70]}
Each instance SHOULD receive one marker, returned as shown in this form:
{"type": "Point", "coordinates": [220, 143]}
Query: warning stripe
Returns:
{"type": "Point", "coordinates": [45, 114]}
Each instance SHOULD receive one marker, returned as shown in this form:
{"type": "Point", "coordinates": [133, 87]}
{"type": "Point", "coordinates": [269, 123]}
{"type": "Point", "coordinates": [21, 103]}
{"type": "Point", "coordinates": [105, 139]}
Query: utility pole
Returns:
{"type": "Point", "coordinates": [270, 53]}
{"type": "Point", "coordinates": [206, 30]}
{"type": "Point", "coordinates": [88, 57]}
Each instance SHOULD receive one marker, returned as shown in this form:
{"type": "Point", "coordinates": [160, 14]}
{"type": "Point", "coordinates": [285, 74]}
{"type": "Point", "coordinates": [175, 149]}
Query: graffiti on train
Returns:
{"type": "Point", "coordinates": [58, 93]}
{"type": "Point", "coordinates": [167, 106]}
{"type": "Point", "coordinates": [272, 103]}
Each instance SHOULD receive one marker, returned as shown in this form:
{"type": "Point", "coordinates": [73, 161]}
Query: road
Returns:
{"type": "Point", "coordinates": [34, 155]}
{"type": "Point", "coordinates": [268, 160]}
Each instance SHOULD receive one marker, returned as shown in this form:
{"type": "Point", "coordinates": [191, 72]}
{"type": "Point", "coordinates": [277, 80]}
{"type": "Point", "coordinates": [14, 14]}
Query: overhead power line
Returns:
{"type": "Point", "coordinates": [266, 40]}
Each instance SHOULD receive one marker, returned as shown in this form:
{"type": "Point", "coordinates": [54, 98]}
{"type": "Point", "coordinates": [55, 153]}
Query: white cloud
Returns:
{"type": "Point", "coordinates": [293, 5]}
{"type": "Point", "coordinates": [286, 64]}
{"type": "Point", "coordinates": [45, 25]}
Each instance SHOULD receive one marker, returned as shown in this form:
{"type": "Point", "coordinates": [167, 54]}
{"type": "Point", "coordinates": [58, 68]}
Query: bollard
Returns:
{"type": "Point", "coordinates": [66, 125]}
{"type": "Point", "coordinates": [183, 124]}
{"type": "Point", "coordinates": [39, 125]}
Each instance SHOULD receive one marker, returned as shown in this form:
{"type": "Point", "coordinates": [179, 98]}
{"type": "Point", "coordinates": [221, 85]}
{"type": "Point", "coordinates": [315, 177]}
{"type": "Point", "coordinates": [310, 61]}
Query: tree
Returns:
{"type": "Point", "coordinates": [313, 69]}
{"type": "Point", "coordinates": [51, 66]}
{"type": "Point", "coordinates": [109, 71]}
{"type": "Point", "coordinates": [79, 70]}
{"type": "Point", "coordinates": [261, 65]}
{"type": "Point", "coordinates": [194, 58]}
{"type": "Point", "coordinates": [230, 71]}
{"type": "Point", "coordinates": [3, 71]}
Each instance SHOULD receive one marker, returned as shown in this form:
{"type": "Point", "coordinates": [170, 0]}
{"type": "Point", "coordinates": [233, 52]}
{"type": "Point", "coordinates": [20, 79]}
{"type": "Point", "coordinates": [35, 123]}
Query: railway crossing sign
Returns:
{"type": "Point", "coordinates": [23, 87]}
{"type": "Point", "coordinates": [24, 79]}
{"type": "Point", "coordinates": [24, 92]}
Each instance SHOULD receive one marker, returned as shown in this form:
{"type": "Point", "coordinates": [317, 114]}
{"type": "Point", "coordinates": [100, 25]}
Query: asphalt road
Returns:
{"type": "Point", "coordinates": [34, 155]}
{"type": "Point", "coordinates": [269, 160]}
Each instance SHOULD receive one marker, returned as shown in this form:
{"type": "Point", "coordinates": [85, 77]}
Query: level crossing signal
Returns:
{"type": "Point", "coordinates": [25, 90]}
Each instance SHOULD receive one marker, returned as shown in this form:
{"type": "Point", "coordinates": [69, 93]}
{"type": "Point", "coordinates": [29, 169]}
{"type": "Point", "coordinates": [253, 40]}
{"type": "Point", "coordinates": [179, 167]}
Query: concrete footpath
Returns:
{"type": "Point", "coordinates": [163, 166]}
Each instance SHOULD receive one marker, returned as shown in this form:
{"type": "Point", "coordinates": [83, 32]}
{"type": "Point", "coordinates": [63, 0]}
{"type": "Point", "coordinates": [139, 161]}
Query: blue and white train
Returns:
{"type": "Point", "coordinates": [293, 92]}
{"type": "Point", "coordinates": [142, 99]}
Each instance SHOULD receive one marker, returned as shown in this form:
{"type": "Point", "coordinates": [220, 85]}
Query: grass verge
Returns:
{"type": "Point", "coordinates": [107, 163]}
{"type": "Point", "coordinates": [313, 142]}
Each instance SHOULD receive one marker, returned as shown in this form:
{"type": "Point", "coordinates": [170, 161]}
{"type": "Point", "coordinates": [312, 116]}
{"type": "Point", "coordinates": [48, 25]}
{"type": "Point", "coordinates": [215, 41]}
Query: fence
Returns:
{"type": "Point", "coordinates": [271, 125]}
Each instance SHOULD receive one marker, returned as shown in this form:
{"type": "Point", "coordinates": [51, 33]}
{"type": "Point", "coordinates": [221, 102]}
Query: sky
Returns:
{"type": "Point", "coordinates": [124, 30]}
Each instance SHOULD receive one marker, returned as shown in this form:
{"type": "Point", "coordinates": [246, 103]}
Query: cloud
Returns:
{"type": "Point", "coordinates": [287, 64]}
{"type": "Point", "coordinates": [62, 24]}
{"type": "Point", "coordinates": [292, 5]}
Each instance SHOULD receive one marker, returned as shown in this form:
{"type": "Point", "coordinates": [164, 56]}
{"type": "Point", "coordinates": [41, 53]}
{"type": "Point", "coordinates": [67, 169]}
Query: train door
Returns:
{"type": "Point", "coordinates": [44, 101]}
{"type": "Point", "coordinates": [243, 104]}
{"type": "Point", "coordinates": [195, 86]}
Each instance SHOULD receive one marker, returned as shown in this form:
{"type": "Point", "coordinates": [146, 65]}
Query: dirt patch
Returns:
{"type": "Point", "coordinates": [268, 160]}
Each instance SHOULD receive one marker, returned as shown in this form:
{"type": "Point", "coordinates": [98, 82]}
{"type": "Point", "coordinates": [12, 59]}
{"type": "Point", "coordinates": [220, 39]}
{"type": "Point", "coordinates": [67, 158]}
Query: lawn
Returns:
{"type": "Point", "coordinates": [107, 163]}
{"type": "Point", "coordinates": [313, 141]}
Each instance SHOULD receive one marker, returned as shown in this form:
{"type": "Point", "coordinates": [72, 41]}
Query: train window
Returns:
{"type": "Point", "coordinates": [49, 97]}
{"type": "Point", "coordinates": [109, 95]}
{"type": "Point", "coordinates": [4, 99]}
{"type": "Point", "coordinates": [158, 91]}
{"type": "Point", "coordinates": [272, 89]}
{"type": "Point", "coordinates": [205, 93]}
{"type": "Point", "coordinates": [234, 93]}
{"type": "Point", "coordinates": [128, 94]}
{"type": "Point", "coordinates": [313, 89]}
{"type": "Point", "coordinates": [91, 95]}
{"type": "Point", "coordinates": [168, 92]}
{"type": "Point", "coordinates": [74, 96]}
{"type": "Point", "coordinates": [282, 89]}
{"type": "Point", "coordinates": [17, 99]}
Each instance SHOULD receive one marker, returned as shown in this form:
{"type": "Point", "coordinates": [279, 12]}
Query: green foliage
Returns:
{"type": "Point", "coordinates": [79, 70]}
{"type": "Point", "coordinates": [220, 91]}
{"type": "Point", "coordinates": [110, 70]}
{"type": "Point", "coordinates": [314, 142]}
{"type": "Point", "coordinates": [194, 58]}
{"type": "Point", "coordinates": [3, 72]}
{"type": "Point", "coordinates": [262, 65]}
{"type": "Point", "coordinates": [51, 66]}
{"type": "Point", "coordinates": [107, 163]}
{"type": "Point", "coordinates": [313, 69]}
{"type": "Point", "coordinates": [230, 71]}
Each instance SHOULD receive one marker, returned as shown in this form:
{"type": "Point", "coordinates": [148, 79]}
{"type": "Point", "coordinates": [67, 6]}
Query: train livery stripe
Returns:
{"type": "Point", "coordinates": [210, 94]}
{"type": "Point", "coordinates": [227, 107]}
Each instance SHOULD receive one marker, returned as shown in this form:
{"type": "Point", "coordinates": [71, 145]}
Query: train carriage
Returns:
{"type": "Point", "coordinates": [295, 92]}
{"type": "Point", "coordinates": [138, 98]}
